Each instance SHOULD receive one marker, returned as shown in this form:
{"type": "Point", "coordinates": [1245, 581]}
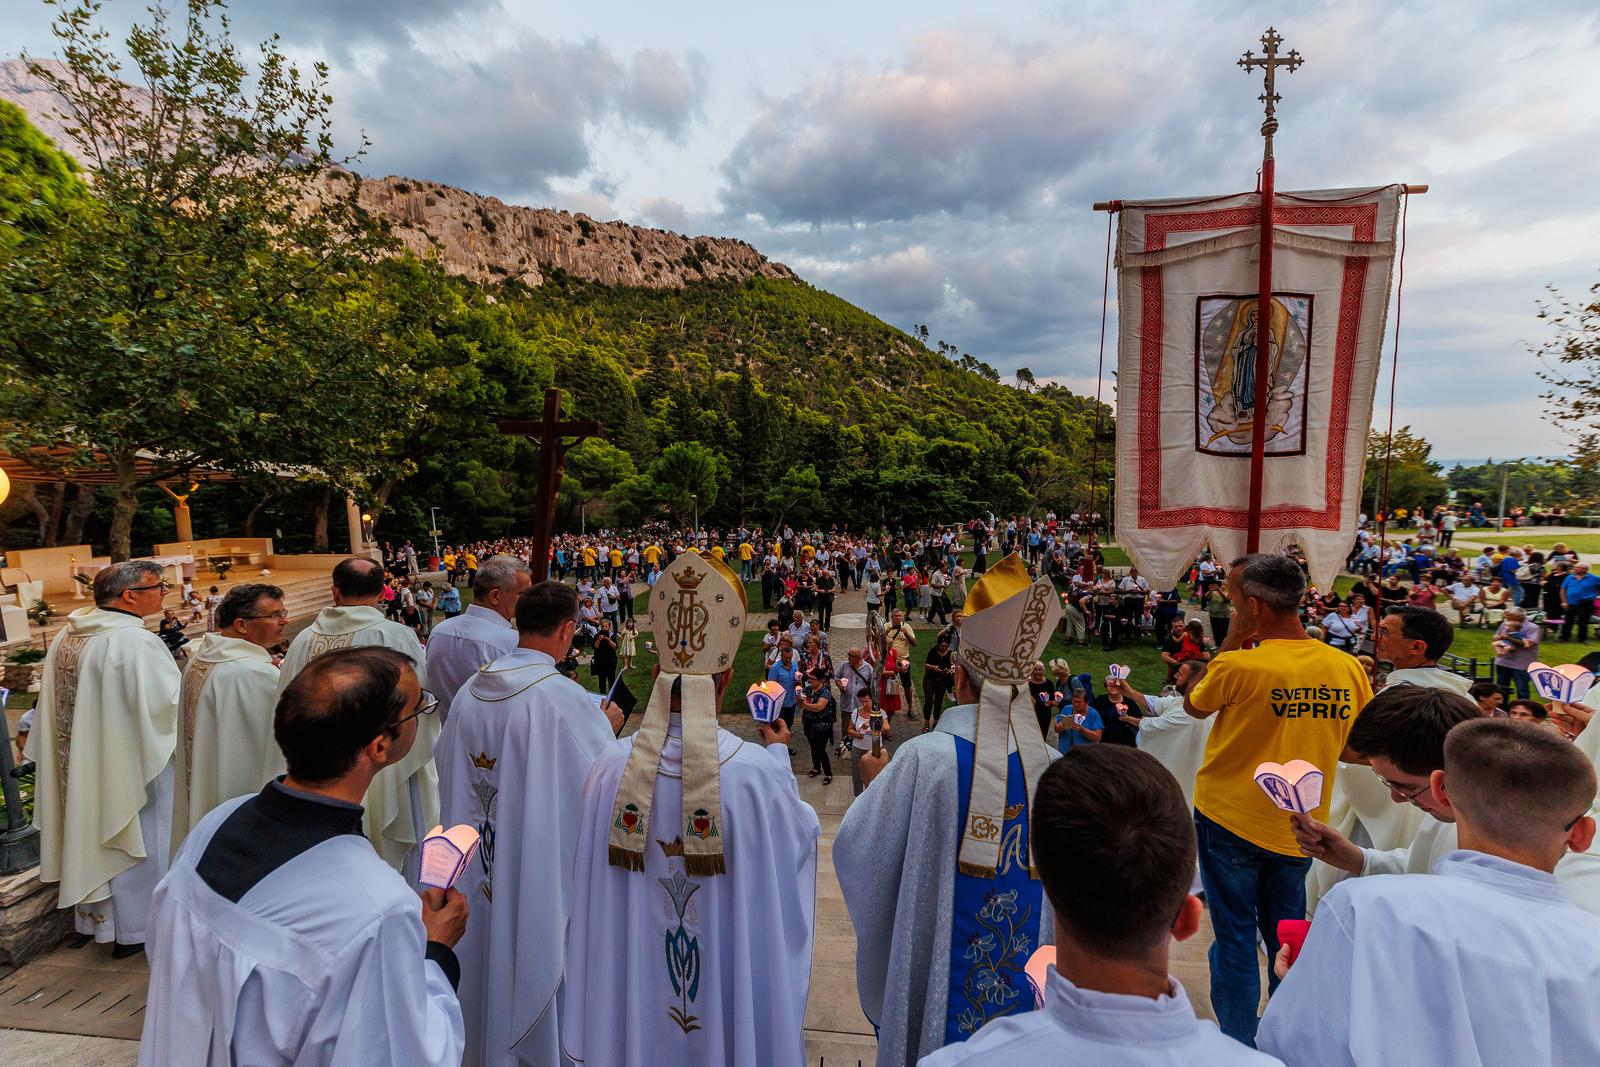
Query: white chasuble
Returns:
{"type": "Point", "coordinates": [1186, 357]}
{"type": "Point", "coordinates": [403, 801]}
{"type": "Point", "coordinates": [104, 732]}
{"type": "Point", "coordinates": [226, 747]}
{"type": "Point", "coordinates": [1177, 739]}
{"type": "Point", "coordinates": [667, 968]}
{"type": "Point", "coordinates": [512, 760]}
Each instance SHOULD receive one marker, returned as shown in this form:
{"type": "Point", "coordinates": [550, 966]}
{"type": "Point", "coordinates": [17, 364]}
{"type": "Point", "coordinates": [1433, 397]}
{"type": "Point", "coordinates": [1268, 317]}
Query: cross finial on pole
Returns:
{"type": "Point", "coordinates": [1270, 62]}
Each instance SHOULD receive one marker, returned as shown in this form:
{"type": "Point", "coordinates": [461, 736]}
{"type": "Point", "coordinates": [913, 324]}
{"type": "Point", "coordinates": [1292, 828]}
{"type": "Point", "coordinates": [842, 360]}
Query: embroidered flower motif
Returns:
{"type": "Point", "coordinates": [997, 906]}
{"type": "Point", "coordinates": [969, 1021]}
{"type": "Point", "coordinates": [1021, 943]}
{"type": "Point", "coordinates": [994, 986]}
{"type": "Point", "coordinates": [979, 946]}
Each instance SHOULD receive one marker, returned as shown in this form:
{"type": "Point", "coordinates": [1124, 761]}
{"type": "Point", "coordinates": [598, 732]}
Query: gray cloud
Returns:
{"type": "Point", "coordinates": [510, 122]}
{"type": "Point", "coordinates": [337, 25]}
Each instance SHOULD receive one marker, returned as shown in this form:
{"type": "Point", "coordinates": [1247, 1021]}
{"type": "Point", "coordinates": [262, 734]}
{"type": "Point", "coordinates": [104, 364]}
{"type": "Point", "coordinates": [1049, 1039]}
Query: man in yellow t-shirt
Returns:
{"type": "Point", "coordinates": [747, 555]}
{"type": "Point", "coordinates": [616, 561]}
{"type": "Point", "coordinates": [650, 554]}
{"type": "Point", "coordinates": [719, 553]}
{"type": "Point", "coordinates": [1291, 697]}
{"type": "Point", "coordinates": [589, 558]}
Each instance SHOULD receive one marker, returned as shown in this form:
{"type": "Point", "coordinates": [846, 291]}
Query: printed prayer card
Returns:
{"type": "Point", "coordinates": [1294, 786]}
{"type": "Point", "coordinates": [446, 853]}
{"type": "Point", "coordinates": [1568, 683]}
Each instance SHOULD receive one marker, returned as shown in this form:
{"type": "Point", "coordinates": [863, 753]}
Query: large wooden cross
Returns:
{"type": "Point", "coordinates": [555, 437]}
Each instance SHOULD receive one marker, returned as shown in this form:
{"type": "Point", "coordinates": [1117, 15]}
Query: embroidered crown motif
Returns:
{"type": "Point", "coordinates": [690, 578]}
{"type": "Point", "coordinates": [482, 761]}
{"type": "Point", "coordinates": [1012, 811]}
{"type": "Point", "coordinates": [671, 848]}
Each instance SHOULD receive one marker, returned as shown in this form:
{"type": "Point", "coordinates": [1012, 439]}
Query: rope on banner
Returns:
{"type": "Point", "coordinates": [1394, 371]}
{"type": "Point", "coordinates": [1099, 380]}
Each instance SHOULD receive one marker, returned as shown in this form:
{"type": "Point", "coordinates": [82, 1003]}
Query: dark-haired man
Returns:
{"type": "Point", "coordinates": [1114, 845]}
{"type": "Point", "coordinates": [225, 745]}
{"type": "Point", "coordinates": [280, 936]}
{"type": "Point", "coordinates": [512, 759]}
{"type": "Point", "coordinates": [404, 803]}
{"type": "Point", "coordinates": [1291, 697]}
{"type": "Point", "coordinates": [1413, 640]}
{"type": "Point", "coordinates": [1487, 962]}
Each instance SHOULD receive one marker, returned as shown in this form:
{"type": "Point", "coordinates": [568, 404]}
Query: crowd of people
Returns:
{"type": "Point", "coordinates": [255, 821]}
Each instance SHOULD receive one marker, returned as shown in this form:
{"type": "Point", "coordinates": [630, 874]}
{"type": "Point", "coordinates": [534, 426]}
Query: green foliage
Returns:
{"type": "Point", "coordinates": [39, 186]}
{"type": "Point", "coordinates": [1415, 480]}
{"type": "Point", "coordinates": [202, 311]}
{"type": "Point", "coordinates": [684, 479]}
{"type": "Point", "coordinates": [1570, 366]}
{"type": "Point", "coordinates": [1528, 483]}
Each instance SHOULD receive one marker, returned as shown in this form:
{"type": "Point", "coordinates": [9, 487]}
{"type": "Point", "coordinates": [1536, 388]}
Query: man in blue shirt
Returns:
{"type": "Point", "coordinates": [785, 670]}
{"type": "Point", "coordinates": [1578, 595]}
{"type": "Point", "coordinates": [1078, 723]}
{"type": "Point", "coordinates": [1508, 574]}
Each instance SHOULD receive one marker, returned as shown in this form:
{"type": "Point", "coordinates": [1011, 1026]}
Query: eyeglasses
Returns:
{"type": "Point", "coordinates": [1574, 821]}
{"type": "Point", "coordinates": [1407, 794]}
{"type": "Point", "coordinates": [162, 585]}
{"type": "Point", "coordinates": [275, 615]}
{"type": "Point", "coordinates": [427, 705]}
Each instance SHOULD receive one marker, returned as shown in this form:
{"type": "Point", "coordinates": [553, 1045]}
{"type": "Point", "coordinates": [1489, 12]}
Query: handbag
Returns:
{"type": "Point", "coordinates": [891, 685]}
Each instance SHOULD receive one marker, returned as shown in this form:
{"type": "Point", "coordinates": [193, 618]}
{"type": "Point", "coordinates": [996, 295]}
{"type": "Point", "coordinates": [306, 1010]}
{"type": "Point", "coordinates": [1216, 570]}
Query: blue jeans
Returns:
{"type": "Point", "coordinates": [1248, 889]}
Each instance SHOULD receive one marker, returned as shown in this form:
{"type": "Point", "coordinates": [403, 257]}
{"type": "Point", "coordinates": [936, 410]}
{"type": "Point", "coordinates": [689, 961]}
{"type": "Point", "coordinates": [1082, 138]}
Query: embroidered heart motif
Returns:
{"type": "Point", "coordinates": [630, 820]}
{"type": "Point", "coordinates": [702, 825]}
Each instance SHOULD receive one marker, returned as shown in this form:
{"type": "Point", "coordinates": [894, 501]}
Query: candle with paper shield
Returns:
{"type": "Point", "coordinates": [446, 853]}
{"type": "Point", "coordinates": [1295, 786]}
{"type": "Point", "coordinates": [1568, 683]}
{"type": "Point", "coordinates": [765, 700]}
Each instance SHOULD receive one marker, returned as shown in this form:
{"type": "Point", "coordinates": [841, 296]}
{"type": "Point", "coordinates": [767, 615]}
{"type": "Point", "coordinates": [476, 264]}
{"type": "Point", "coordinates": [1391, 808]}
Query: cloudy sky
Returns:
{"type": "Point", "coordinates": [934, 162]}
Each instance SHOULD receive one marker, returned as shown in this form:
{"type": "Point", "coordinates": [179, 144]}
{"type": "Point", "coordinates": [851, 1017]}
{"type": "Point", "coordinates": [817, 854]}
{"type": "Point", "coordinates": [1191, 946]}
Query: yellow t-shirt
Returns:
{"type": "Point", "coordinates": [472, 561]}
{"type": "Point", "coordinates": [718, 552]}
{"type": "Point", "coordinates": [651, 553]}
{"type": "Point", "coordinates": [806, 551]}
{"type": "Point", "coordinates": [1281, 701]}
{"type": "Point", "coordinates": [616, 557]}
{"type": "Point", "coordinates": [745, 551]}
{"type": "Point", "coordinates": [588, 557]}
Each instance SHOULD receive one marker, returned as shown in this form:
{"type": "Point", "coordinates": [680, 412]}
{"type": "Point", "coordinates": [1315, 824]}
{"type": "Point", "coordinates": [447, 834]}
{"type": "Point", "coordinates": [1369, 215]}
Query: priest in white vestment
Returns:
{"type": "Point", "coordinates": [1485, 963]}
{"type": "Point", "coordinates": [512, 760]}
{"type": "Point", "coordinates": [225, 743]}
{"type": "Point", "coordinates": [104, 731]}
{"type": "Point", "coordinates": [460, 646]}
{"type": "Point", "coordinates": [279, 936]}
{"type": "Point", "coordinates": [1359, 807]}
{"type": "Point", "coordinates": [933, 856]}
{"type": "Point", "coordinates": [1168, 732]}
{"type": "Point", "coordinates": [403, 804]}
{"type": "Point", "coordinates": [694, 901]}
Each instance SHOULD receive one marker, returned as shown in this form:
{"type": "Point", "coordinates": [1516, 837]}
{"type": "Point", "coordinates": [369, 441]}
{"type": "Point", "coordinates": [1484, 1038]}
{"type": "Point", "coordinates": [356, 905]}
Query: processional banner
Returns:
{"type": "Point", "coordinates": [1186, 360]}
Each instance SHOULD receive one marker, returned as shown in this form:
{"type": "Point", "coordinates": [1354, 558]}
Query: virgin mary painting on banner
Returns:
{"type": "Point", "coordinates": [1186, 358]}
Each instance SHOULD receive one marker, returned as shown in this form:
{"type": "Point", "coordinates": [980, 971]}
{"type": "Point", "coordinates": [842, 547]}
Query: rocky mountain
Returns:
{"type": "Point", "coordinates": [482, 237]}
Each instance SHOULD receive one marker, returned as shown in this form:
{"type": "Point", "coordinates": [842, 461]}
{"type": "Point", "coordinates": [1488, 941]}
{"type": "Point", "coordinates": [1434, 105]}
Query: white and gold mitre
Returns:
{"type": "Point", "coordinates": [1009, 621]}
{"type": "Point", "coordinates": [697, 610]}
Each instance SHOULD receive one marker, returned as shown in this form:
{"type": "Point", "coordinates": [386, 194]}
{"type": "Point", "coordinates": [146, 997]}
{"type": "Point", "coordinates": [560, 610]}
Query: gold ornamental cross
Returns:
{"type": "Point", "coordinates": [1270, 62]}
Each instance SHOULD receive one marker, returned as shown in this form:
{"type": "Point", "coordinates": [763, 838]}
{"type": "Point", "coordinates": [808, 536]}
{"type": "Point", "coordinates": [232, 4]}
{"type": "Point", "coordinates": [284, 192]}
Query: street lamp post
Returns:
{"type": "Point", "coordinates": [583, 518]}
{"type": "Point", "coordinates": [433, 523]}
{"type": "Point", "coordinates": [696, 498]}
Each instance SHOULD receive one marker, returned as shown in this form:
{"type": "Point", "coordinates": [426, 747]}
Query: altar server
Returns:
{"type": "Point", "coordinates": [404, 802]}
{"type": "Point", "coordinates": [1486, 963]}
{"type": "Point", "coordinates": [512, 760]}
{"type": "Point", "coordinates": [225, 722]}
{"type": "Point", "coordinates": [279, 936]}
{"type": "Point", "coordinates": [462, 644]}
{"type": "Point", "coordinates": [1359, 807]}
{"type": "Point", "coordinates": [1115, 838]}
{"type": "Point", "coordinates": [104, 731]}
{"type": "Point", "coordinates": [933, 857]}
{"type": "Point", "coordinates": [694, 903]}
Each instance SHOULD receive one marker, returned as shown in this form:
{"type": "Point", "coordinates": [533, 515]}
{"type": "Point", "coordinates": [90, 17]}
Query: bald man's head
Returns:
{"type": "Point", "coordinates": [337, 705]}
{"type": "Point", "coordinates": [357, 580]}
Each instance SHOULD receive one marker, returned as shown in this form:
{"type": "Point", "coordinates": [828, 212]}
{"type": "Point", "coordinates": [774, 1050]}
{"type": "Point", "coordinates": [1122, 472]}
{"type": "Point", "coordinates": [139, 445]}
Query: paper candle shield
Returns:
{"type": "Point", "coordinates": [765, 700]}
{"type": "Point", "coordinates": [1118, 671]}
{"type": "Point", "coordinates": [1294, 786]}
{"type": "Point", "coordinates": [1568, 683]}
{"type": "Point", "coordinates": [445, 855]}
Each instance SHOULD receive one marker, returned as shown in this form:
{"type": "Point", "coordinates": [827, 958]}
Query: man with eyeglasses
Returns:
{"type": "Point", "coordinates": [404, 802]}
{"type": "Point", "coordinates": [1486, 962]}
{"type": "Point", "coordinates": [104, 733]}
{"type": "Point", "coordinates": [280, 936]}
{"type": "Point", "coordinates": [225, 745]}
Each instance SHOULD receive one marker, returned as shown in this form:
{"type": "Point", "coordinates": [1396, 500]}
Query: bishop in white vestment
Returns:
{"type": "Point", "coordinates": [933, 856]}
{"type": "Point", "coordinates": [403, 804]}
{"type": "Point", "coordinates": [512, 760]}
{"type": "Point", "coordinates": [104, 731]}
{"type": "Point", "coordinates": [226, 748]}
{"type": "Point", "coordinates": [459, 647]}
{"type": "Point", "coordinates": [695, 893]}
